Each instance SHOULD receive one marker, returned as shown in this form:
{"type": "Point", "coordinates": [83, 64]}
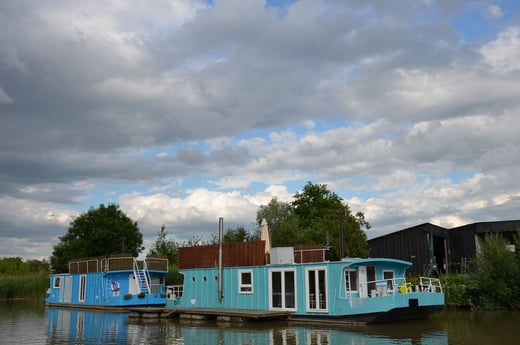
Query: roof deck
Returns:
{"type": "Point", "coordinates": [116, 262]}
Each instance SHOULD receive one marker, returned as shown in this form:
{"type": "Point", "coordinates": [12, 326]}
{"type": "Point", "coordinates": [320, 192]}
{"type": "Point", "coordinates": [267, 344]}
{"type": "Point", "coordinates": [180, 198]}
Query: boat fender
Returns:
{"type": "Point", "coordinates": [115, 286]}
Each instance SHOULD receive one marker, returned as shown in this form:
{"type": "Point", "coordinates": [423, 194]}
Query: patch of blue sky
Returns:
{"type": "Point", "coordinates": [483, 20]}
{"type": "Point", "coordinates": [473, 26]}
{"type": "Point", "coordinates": [460, 176]}
{"type": "Point", "coordinates": [295, 186]}
{"type": "Point", "coordinates": [455, 177]}
{"type": "Point", "coordinates": [361, 181]}
{"type": "Point", "coordinates": [281, 5]}
{"type": "Point", "coordinates": [255, 187]}
{"type": "Point", "coordinates": [361, 193]}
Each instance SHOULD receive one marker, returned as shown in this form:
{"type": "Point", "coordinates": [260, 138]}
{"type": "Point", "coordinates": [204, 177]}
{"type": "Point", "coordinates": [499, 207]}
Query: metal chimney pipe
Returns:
{"type": "Point", "coordinates": [220, 240]}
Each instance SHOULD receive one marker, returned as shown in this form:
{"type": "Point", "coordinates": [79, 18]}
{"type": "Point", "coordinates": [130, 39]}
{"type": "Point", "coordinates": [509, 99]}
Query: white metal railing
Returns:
{"type": "Point", "coordinates": [389, 287]}
{"type": "Point", "coordinates": [174, 291]}
{"type": "Point", "coordinates": [142, 277]}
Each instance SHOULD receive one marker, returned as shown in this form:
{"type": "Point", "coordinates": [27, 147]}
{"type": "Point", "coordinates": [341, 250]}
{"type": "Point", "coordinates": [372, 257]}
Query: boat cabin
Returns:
{"type": "Point", "coordinates": [114, 281]}
{"type": "Point", "coordinates": [300, 281]}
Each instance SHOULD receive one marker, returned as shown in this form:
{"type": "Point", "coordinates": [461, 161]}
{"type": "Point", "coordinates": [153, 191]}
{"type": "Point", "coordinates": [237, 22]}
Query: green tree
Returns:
{"type": "Point", "coordinates": [496, 275]}
{"type": "Point", "coordinates": [169, 249]}
{"type": "Point", "coordinates": [282, 222]}
{"type": "Point", "coordinates": [17, 266]}
{"type": "Point", "coordinates": [318, 211]}
{"type": "Point", "coordinates": [315, 202]}
{"type": "Point", "coordinates": [164, 246]}
{"type": "Point", "coordinates": [37, 266]}
{"type": "Point", "coordinates": [237, 234]}
{"type": "Point", "coordinates": [12, 266]}
{"type": "Point", "coordinates": [98, 232]}
{"type": "Point", "coordinates": [312, 218]}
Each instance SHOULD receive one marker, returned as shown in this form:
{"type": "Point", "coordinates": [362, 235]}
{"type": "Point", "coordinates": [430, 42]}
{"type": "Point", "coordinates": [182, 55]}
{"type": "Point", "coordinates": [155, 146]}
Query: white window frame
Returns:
{"type": "Point", "coordinates": [282, 271]}
{"type": "Point", "coordinates": [245, 288]}
{"type": "Point", "coordinates": [354, 288]}
{"type": "Point", "coordinates": [317, 308]}
{"type": "Point", "coordinates": [57, 282]}
{"type": "Point", "coordinates": [82, 287]}
{"type": "Point", "coordinates": [392, 281]}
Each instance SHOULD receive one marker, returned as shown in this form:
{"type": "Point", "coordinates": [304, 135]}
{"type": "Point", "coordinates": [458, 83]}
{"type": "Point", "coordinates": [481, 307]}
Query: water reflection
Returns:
{"type": "Point", "coordinates": [300, 334]}
{"type": "Point", "coordinates": [68, 326]}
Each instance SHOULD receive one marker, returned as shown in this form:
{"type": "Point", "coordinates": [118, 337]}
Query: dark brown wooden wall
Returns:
{"type": "Point", "coordinates": [251, 253]}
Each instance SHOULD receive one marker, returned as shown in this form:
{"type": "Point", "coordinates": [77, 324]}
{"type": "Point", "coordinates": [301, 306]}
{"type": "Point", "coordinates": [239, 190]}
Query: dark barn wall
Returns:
{"type": "Point", "coordinates": [451, 246]}
{"type": "Point", "coordinates": [463, 239]}
{"type": "Point", "coordinates": [411, 245]}
{"type": "Point", "coordinates": [462, 246]}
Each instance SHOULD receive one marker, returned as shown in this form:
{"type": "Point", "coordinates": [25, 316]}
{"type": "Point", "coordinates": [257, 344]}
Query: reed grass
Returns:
{"type": "Point", "coordinates": [23, 286]}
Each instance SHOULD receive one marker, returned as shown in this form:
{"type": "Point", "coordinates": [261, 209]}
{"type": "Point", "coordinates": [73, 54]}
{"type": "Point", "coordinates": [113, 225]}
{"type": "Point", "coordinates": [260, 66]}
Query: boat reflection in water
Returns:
{"type": "Point", "coordinates": [91, 327]}
{"type": "Point", "coordinates": [289, 334]}
{"type": "Point", "coordinates": [85, 327]}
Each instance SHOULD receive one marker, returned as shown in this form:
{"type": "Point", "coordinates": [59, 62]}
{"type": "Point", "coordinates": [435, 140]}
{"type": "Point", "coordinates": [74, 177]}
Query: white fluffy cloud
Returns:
{"type": "Point", "coordinates": [503, 54]}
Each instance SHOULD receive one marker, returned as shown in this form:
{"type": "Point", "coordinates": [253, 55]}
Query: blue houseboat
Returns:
{"type": "Point", "coordinates": [297, 280]}
{"type": "Point", "coordinates": [116, 281]}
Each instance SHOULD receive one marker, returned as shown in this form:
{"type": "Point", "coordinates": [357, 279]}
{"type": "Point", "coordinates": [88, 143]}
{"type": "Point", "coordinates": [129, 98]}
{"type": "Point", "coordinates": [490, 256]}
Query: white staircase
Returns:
{"type": "Point", "coordinates": [142, 277]}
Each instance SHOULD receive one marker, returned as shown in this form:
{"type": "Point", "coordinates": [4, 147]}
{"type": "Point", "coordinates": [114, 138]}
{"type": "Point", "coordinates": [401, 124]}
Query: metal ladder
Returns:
{"type": "Point", "coordinates": [142, 277]}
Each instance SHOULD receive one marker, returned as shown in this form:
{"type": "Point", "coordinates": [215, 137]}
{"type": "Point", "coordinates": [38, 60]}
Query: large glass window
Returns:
{"type": "Point", "coordinates": [290, 298]}
{"type": "Point", "coordinates": [283, 292]}
{"type": "Point", "coordinates": [316, 281]}
{"type": "Point", "coordinates": [276, 289]}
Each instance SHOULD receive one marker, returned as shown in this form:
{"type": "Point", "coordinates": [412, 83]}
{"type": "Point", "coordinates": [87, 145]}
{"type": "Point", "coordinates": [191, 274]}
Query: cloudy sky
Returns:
{"type": "Point", "coordinates": [186, 111]}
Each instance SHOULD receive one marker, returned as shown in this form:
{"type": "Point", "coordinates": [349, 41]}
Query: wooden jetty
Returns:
{"type": "Point", "coordinates": [225, 315]}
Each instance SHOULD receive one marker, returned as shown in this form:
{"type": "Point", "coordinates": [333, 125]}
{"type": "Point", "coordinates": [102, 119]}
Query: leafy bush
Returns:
{"type": "Point", "coordinates": [459, 289]}
{"type": "Point", "coordinates": [497, 275]}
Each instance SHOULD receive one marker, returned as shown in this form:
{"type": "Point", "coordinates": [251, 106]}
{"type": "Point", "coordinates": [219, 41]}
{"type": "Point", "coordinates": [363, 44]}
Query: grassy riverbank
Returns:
{"type": "Point", "coordinates": [23, 286]}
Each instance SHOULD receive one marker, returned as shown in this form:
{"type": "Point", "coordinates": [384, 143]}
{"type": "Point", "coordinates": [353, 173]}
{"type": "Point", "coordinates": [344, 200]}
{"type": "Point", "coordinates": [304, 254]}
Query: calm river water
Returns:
{"type": "Point", "coordinates": [32, 323]}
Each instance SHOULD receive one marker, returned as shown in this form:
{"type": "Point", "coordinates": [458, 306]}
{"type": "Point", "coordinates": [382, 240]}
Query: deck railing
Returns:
{"type": "Point", "coordinates": [174, 291]}
{"type": "Point", "coordinates": [393, 286]}
{"type": "Point", "coordinates": [116, 262]}
{"type": "Point", "coordinates": [400, 285]}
